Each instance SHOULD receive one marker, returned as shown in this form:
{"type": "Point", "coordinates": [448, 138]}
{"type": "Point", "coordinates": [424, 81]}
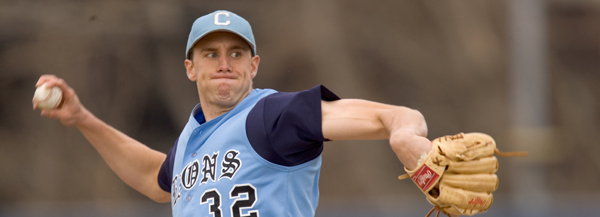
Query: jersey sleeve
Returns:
{"type": "Point", "coordinates": [165, 174]}
{"type": "Point", "coordinates": [285, 128]}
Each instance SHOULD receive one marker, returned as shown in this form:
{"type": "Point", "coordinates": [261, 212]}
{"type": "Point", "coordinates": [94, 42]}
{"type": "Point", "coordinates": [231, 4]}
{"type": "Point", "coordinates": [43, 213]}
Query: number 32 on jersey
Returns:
{"type": "Point", "coordinates": [244, 197]}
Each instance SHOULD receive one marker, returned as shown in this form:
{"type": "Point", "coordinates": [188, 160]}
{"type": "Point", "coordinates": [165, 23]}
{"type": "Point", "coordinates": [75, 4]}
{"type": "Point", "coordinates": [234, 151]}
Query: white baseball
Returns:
{"type": "Point", "coordinates": [47, 98]}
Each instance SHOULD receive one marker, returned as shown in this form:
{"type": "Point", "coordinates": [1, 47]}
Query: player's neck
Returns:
{"type": "Point", "coordinates": [214, 110]}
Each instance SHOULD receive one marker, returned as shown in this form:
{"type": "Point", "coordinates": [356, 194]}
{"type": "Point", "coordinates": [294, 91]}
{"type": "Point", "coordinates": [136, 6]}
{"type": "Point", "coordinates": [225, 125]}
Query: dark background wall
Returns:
{"type": "Point", "coordinates": [452, 60]}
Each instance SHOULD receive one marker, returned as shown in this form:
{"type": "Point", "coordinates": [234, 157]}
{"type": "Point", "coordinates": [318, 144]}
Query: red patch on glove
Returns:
{"type": "Point", "coordinates": [425, 177]}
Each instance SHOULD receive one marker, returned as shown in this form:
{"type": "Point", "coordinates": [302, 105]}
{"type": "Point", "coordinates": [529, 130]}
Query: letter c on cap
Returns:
{"type": "Point", "coordinates": [221, 23]}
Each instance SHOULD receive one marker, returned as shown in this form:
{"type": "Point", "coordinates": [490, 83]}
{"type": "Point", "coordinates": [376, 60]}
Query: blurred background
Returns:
{"type": "Point", "coordinates": [526, 72]}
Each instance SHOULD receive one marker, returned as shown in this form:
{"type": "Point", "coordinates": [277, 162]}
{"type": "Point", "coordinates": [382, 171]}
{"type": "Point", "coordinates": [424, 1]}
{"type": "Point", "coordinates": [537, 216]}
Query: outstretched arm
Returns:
{"type": "Point", "coordinates": [136, 164]}
{"type": "Point", "coordinates": [354, 119]}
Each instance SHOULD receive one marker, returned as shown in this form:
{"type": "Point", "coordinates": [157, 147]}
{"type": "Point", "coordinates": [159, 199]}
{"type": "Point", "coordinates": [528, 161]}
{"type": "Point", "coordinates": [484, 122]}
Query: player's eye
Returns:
{"type": "Point", "coordinates": [236, 54]}
{"type": "Point", "coordinates": [211, 55]}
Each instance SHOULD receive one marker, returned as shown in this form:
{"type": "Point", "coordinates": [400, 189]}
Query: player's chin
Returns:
{"type": "Point", "coordinates": [229, 99]}
{"type": "Point", "coordinates": [225, 90]}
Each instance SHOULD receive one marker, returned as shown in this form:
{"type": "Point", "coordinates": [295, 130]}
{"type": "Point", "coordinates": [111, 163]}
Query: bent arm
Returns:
{"type": "Point", "coordinates": [136, 164]}
{"type": "Point", "coordinates": [354, 119]}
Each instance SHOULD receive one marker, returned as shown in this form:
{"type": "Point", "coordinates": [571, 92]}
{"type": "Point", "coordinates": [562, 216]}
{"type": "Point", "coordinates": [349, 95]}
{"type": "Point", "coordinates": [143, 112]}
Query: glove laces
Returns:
{"type": "Point", "coordinates": [439, 209]}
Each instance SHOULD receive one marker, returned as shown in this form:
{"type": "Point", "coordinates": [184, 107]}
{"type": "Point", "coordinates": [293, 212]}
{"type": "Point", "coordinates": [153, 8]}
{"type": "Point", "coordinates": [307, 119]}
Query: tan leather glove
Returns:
{"type": "Point", "coordinates": [458, 175]}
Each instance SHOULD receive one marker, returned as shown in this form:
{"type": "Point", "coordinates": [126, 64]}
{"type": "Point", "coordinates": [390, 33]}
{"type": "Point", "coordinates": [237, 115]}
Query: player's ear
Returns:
{"type": "Point", "coordinates": [189, 67]}
{"type": "Point", "coordinates": [254, 64]}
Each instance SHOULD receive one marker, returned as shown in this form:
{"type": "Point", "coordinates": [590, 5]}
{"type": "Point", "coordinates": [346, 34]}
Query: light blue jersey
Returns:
{"type": "Point", "coordinates": [217, 172]}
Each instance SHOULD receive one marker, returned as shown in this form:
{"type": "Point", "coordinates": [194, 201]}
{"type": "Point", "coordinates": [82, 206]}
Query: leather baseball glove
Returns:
{"type": "Point", "coordinates": [458, 175]}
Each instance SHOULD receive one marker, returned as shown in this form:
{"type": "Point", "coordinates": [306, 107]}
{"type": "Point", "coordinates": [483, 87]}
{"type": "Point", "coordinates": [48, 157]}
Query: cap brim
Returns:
{"type": "Point", "coordinates": [252, 49]}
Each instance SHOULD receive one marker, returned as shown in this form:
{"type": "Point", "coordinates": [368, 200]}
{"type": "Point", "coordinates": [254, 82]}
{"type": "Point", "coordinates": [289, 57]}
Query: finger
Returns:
{"type": "Point", "coordinates": [51, 113]}
{"type": "Point", "coordinates": [60, 83]}
{"type": "Point", "coordinates": [54, 81]}
{"type": "Point", "coordinates": [45, 78]}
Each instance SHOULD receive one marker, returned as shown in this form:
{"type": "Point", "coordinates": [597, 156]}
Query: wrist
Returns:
{"type": "Point", "coordinates": [409, 147]}
{"type": "Point", "coordinates": [84, 119]}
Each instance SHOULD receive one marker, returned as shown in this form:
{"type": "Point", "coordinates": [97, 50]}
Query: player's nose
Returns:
{"type": "Point", "coordinates": [224, 64]}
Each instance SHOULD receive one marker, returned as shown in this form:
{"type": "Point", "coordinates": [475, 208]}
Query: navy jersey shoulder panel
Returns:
{"type": "Point", "coordinates": [285, 128]}
{"type": "Point", "coordinates": [165, 175]}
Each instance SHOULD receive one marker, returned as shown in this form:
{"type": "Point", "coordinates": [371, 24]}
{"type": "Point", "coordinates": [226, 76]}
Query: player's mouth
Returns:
{"type": "Point", "coordinates": [224, 76]}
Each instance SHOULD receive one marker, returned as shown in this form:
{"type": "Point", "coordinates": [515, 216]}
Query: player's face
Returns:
{"type": "Point", "coordinates": [223, 68]}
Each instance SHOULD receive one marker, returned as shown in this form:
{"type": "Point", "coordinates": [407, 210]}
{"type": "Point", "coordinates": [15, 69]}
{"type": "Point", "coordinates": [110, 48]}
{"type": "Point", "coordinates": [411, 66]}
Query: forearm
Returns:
{"type": "Point", "coordinates": [354, 119]}
{"type": "Point", "coordinates": [136, 164]}
{"type": "Point", "coordinates": [404, 119]}
{"type": "Point", "coordinates": [408, 132]}
{"type": "Point", "coordinates": [351, 119]}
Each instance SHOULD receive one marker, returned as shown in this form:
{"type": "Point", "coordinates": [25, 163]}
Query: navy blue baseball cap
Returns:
{"type": "Point", "coordinates": [220, 20]}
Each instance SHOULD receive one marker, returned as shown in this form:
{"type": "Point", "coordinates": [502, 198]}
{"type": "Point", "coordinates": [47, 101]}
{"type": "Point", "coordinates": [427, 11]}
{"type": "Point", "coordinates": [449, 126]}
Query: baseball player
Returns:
{"type": "Point", "coordinates": [244, 151]}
